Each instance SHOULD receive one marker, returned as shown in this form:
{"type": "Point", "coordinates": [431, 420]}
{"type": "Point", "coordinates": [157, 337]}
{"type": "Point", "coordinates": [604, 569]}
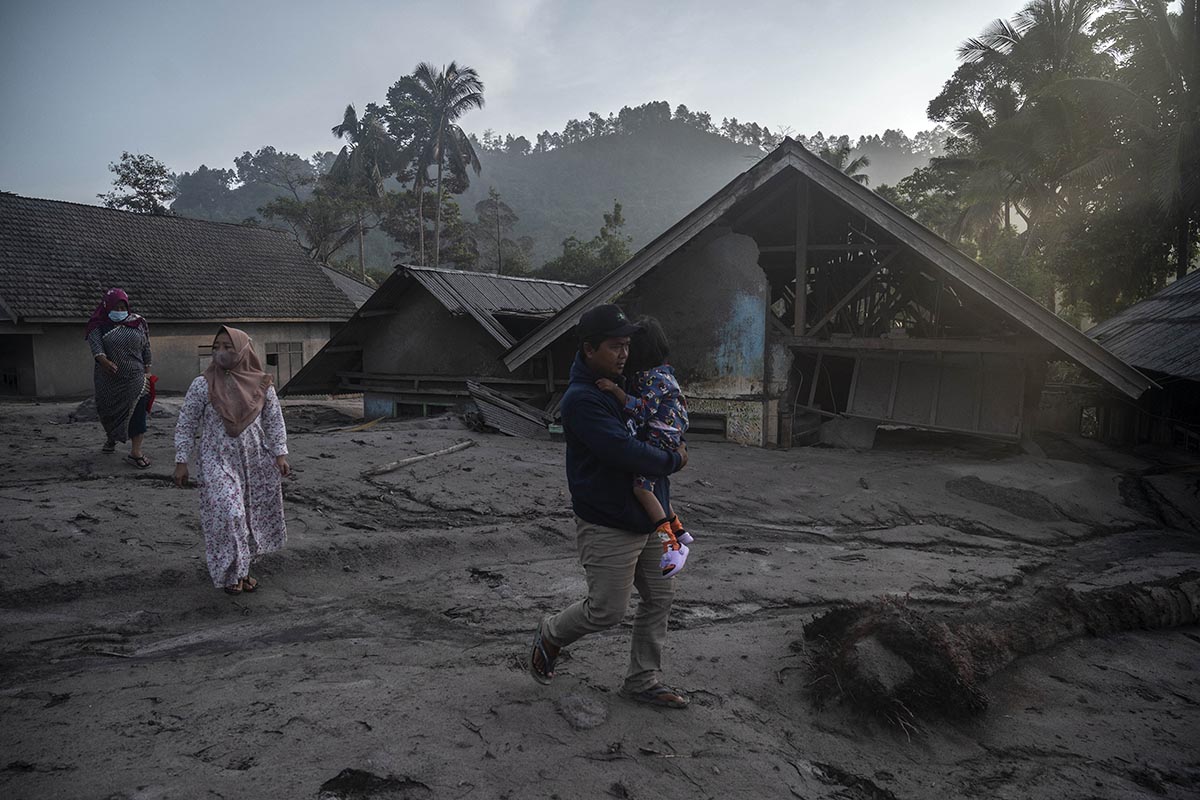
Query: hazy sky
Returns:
{"type": "Point", "coordinates": [202, 81]}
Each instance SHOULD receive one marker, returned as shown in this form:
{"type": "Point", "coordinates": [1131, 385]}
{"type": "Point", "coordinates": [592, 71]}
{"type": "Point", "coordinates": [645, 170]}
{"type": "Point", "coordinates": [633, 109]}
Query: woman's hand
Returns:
{"type": "Point", "coordinates": [108, 364]}
{"type": "Point", "coordinates": [285, 468]}
{"type": "Point", "coordinates": [181, 475]}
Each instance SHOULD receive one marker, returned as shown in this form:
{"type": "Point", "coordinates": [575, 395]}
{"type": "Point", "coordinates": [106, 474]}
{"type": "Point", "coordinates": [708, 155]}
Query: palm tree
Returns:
{"type": "Point", "coordinates": [1016, 144]}
{"type": "Point", "coordinates": [443, 97]}
{"type": "Point", "coordinates": [1154, 104]}
{"type": "Point", "coordinates": [359, 167]}
{"type": "Point", "coordinates": [837, 154]}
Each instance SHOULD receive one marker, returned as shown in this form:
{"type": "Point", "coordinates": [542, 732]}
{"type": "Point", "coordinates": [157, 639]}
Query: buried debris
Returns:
{"type": "Point", "coordinates": [508, 414]}
{"type": "Point", "coordinates": [404, 462]}
{"type": "Point", "coordinates": [356, 784]}
{"type": "Point", "coordinates": [889, 659]}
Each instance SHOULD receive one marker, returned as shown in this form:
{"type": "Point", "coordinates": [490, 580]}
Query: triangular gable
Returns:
{"type": "Point", "coordinates": [482, 296]}
{"type": "Point", "coordinates": [791, 156]}
{"type": "Point", "coordinates": [458, 297]}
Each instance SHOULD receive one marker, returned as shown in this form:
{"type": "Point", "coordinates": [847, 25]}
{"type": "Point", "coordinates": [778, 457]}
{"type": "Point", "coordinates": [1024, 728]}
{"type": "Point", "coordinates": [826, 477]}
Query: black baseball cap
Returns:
{"type": "Point", "coordinates": [607, 320]}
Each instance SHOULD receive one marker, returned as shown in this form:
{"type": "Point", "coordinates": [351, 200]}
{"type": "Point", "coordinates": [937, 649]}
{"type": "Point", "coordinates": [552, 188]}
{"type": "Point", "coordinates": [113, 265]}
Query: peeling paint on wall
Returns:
{"type": "Point", "coordinates": [741, 339]}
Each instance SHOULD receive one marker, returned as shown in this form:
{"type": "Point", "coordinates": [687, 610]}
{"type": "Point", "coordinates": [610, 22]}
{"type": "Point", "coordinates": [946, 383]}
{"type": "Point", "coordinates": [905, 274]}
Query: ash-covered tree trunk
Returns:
{"type": "Point", "coordinates": [892, 660]}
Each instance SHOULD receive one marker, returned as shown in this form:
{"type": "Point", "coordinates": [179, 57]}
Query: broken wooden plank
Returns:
{"type": "Point", "coordinates": [404, 462]}
{"type": "Point", "coordinates": [1020, 346]}
{"type": "Point", "coordinates": [801, 250]}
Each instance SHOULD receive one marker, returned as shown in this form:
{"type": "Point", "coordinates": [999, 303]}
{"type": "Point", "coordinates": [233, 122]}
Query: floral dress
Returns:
{"type": "Point", "coordinates": [241, 492]}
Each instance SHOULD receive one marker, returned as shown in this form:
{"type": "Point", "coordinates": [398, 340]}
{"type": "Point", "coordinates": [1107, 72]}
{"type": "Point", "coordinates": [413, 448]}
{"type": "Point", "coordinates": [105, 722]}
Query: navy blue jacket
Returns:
{"type": "Point", "coordinates": [603, 456]}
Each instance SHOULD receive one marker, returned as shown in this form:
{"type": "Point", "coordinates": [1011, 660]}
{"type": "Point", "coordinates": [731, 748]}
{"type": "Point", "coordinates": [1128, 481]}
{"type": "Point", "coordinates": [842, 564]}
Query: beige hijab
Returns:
{"type": "Point", "coordinates": [238, 394]}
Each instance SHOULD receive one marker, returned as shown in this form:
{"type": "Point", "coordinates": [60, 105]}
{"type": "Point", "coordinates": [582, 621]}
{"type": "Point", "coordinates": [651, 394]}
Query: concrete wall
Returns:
{"type": "Point", "coordinates": [712, 302]}
{"type": "Point", "coordinates": [64, 363]}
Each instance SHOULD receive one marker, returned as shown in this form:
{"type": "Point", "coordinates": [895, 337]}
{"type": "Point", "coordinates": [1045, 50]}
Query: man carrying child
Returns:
{"type": "Point", "coordinates": [615, 537]}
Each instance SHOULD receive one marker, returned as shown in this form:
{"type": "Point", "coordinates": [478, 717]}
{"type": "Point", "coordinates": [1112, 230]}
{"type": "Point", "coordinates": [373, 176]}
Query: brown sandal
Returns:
{"type": "Point", "coordinates": [657, 695]}
{"type": "Point", "coordinates": [249, 584]}
{"type": "Point", "coordinates": [235, 589]}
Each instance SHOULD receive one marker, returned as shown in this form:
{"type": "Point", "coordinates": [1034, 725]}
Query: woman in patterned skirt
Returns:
{"type": "Point", "coordinates": [120, 343]}
{"type": "Point", "coordinates": [241, 460]}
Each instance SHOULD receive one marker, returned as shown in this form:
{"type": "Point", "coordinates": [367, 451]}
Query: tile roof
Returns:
{"type": "Point", "coordinates": [352, 287]}
{"type": "Point", "coordinates": [58, 258]}
{"type": "Point", "coordinates": [1161, 333]}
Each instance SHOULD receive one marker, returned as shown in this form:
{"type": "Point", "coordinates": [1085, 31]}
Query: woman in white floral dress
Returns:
{"type": "Point", "coordinates": [241, 460]}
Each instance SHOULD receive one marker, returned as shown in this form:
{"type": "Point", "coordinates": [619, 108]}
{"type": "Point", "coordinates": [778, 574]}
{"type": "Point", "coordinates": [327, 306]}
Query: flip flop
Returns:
{"type": "Point", "coordinates": [249, 584]}
{"type": "Point", "coordinates": [659, 695]}
{"type": "Point", "coordinates": [109, 447]}
{"type": "Point", "coordinates": [235, 589]}
{"type": "Point", "coordinates": [141, 462]}
{"type": "Point", "coordinates": [546, 673]}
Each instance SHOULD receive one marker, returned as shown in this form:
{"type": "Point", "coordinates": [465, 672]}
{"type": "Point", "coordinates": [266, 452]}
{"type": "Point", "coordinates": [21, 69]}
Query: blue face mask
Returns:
{"type": "Point", "coordinates": [118, 316]}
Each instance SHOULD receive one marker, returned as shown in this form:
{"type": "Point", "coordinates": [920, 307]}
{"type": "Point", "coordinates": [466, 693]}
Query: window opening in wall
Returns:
{"type": "Point", "coordinates": [284, 359]}
{"type": "Point", "coordinates": [1089, 423]}
{"type": "Point", "coordinates": [707, 426]}
{"type": "Point", "coordinates": [203, 356]}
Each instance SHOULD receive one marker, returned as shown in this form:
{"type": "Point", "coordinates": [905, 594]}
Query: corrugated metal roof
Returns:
{"type": "Point", "coordinates": [481, 295]}
{"type": "Point", "coordinates": [484, 296]}
{"type": "Point", "coordinates": [1161, 333]}
{"type": "Point", "coordinates": [509, 415]}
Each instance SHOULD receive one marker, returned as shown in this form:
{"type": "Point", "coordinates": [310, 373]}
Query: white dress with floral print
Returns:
{"type": "Point", "coordinates": [241, 492]}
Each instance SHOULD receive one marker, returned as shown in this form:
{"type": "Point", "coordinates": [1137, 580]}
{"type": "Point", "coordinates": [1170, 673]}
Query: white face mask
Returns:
{"type": "Point", "coordinates": [118, 316]}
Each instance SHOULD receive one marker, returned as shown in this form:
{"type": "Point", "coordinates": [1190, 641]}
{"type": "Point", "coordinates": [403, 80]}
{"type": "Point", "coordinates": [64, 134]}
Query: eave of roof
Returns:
{"type": "Point", "coordinates": [1160, 333]}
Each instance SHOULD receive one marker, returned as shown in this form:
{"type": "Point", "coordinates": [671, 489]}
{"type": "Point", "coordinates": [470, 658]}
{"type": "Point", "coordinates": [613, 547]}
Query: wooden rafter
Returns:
{"type": "Point", "coordinates": [850, 295]}
{"type": "Point", "coordinates": [801, 250]}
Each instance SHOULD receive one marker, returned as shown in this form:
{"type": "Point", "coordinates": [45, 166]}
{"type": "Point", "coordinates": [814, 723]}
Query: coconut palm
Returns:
{"type": "Point", "coordinates": [442, 97]}
{"type": "Point", "coordinates": [1015, 143]}
{"type": "Point", "coordinates": [1045, 41]}
{"type": "Point", "coordinates": [359, 168]}
{"type": "Point", "coordinates": [1153, 102]}
{"type": "Point", "coordinates": [837, 154]}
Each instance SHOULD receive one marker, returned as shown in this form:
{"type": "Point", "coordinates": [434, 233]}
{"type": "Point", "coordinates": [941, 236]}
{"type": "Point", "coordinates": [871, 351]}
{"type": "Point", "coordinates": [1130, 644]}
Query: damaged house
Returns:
{"type": "Point", "coordinates": [414, 345]}
{"type": "Point", "coordinates": [795, 297]}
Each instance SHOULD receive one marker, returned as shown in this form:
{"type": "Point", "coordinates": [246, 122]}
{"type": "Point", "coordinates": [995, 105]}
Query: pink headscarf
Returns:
{"type": "Point", "coordinates": [109, 303]}
{"type": "Point", "coordinates": [238, 394]}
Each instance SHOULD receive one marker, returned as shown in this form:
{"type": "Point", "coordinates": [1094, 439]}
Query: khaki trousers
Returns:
{"type": "Point", "coordinates": [616, 562]}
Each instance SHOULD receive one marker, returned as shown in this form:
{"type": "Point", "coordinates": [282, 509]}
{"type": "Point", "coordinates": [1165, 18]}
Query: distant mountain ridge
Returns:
{"type": "Point", "coordinates": [659, 169]}
{"type": "Point", "coordinates": [658, 174]}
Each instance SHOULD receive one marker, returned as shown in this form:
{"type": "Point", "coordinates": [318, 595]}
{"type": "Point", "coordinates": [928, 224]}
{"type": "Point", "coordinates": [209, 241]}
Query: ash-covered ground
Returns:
{"type": "Point", "coordinates": [389, 636]}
